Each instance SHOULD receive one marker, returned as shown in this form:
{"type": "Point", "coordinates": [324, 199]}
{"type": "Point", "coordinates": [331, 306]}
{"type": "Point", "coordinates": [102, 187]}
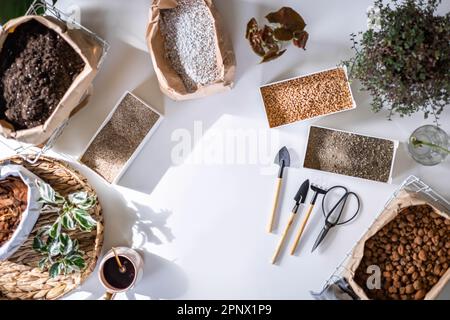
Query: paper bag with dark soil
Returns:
{"type": "Point", "coordinates": [46, 72]}
{"type": "Point", "coordinates": [406, 250]}
{"type": "Point", "coordinates": [192, 54]}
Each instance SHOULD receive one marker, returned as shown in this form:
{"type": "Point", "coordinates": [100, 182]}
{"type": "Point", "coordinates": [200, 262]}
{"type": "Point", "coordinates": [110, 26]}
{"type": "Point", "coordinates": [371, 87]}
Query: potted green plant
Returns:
{"type": "Point", "coordinates": [403, 59]}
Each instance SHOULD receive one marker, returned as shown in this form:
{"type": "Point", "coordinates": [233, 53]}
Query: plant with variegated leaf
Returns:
{"type": "Point", "coordinates": [62, 254]}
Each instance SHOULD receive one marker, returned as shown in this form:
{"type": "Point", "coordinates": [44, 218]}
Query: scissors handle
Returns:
{"type": "Point", "coordinates": [342, 201]}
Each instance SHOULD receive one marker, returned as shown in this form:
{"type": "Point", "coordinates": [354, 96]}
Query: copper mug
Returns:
{"type": "Point", "coordinates": [114, 281]}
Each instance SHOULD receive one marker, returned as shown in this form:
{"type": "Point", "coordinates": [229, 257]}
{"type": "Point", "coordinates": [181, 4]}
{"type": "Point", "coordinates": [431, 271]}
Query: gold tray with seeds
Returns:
{"type": "Point", "coordinates": [20, 276]}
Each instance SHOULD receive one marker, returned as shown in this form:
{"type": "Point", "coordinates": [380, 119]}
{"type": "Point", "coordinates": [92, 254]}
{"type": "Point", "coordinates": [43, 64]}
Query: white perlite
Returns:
{"type": "Point", "coordinates": [189, 38]}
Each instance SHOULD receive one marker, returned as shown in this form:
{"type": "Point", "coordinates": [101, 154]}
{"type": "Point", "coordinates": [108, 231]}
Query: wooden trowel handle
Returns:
{"type": "Point", "coordinates": [283, 237]}
{"type": "Point", "coordinates": [275, 205]}
{"type": "Point", "coordinates": [302, 228]}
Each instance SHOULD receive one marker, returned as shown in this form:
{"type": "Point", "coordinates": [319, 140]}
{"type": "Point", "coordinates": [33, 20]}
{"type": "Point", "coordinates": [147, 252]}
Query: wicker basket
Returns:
{"type": "Point", "coordinates": [20, 277]}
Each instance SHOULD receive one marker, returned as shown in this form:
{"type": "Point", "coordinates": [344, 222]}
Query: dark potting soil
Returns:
{"type": "Point", "coordinates": [116, 278]}
{"type": "Point", "coordinates": [37, 67]}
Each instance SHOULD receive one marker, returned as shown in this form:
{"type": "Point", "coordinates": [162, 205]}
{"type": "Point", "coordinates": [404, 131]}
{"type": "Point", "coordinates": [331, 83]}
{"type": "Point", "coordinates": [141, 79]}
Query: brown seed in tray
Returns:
{"type": "Point", "coordinates": [427, 264]}
{"type": "Point", "coordinates": [307, 97]}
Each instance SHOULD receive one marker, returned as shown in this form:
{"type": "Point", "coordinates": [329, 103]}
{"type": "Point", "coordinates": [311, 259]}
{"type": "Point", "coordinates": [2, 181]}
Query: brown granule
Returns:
{"type": "Point", "coordinates": [13, 202]}
{"type": "Point", "coordinates": [307, 97]}
{"type": "Point", "coordinates": [412, 254]}
{"type": "Point", "coordinates": [349, 154]}
{"type": "Point", "coordinates": [119, 138]}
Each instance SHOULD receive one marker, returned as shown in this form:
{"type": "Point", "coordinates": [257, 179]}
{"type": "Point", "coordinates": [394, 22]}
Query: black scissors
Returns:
{"type": "Point", "coordinates": [333, 216]}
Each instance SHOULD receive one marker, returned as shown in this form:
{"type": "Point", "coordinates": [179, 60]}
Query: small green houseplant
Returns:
{"type": "Point", "coordinates": [62, 254]}
{"type": "Point", "coordinates": [403, 59]}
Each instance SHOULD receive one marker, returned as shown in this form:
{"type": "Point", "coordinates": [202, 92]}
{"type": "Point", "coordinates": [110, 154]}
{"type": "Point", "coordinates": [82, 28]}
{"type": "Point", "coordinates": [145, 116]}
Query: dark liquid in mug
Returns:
{"type": "Point", "coordinates": [114, 277]}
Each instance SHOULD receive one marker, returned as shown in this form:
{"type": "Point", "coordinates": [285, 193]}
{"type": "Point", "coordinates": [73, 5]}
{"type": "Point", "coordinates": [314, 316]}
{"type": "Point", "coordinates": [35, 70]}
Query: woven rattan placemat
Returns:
{"type": "Point", "coordinates": [20, 278]}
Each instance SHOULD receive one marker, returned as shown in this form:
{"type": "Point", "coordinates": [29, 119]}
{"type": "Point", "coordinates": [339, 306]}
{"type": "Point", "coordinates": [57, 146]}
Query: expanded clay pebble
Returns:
{"type": "Point", "coordinates": [307, 97]}
{"type": "Point", "coordinates": [118, 140]}
{"type": "Point", "coordinates": [412, 252]}
{"type": "Point", "coordinates": [190, 42]}
{"type": "Point", "coordinates": [349, 154]}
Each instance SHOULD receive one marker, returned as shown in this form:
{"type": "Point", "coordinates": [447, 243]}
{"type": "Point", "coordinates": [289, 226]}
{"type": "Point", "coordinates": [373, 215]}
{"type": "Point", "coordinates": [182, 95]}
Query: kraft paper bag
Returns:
{"type": "Point", "coordinates": [89, 50]}
{"type": "Point", "coordinates": [169, 81]}
{"type": "Point", "coordinates": [403, 200]}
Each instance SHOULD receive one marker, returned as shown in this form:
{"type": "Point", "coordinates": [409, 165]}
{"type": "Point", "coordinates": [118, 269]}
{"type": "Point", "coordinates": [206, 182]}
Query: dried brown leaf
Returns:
{"type": "Point", "coordinates": [252, 28]}
{"type": "Point", "coordinates": [300, 39]}
{"type": "Point", "coordinates": [254, 36]}
{"type": "Point", "coordinates": [283, 34]}
{"type": "Point", "coordinates": [272, 55]}
{"type": "Point", "coordinates": [288, 18]}
{"type": "Point", "coordinates": [267, 35]}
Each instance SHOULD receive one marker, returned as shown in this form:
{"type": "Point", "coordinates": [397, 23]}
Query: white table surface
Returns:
{"type": "Point", "coordinates": [200, 222]}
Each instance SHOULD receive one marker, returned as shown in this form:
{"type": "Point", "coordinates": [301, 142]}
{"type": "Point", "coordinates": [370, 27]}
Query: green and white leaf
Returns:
{"type": "Point", "coordinates": [39, 245]}
{"type": "Point", "coordinates": [43, 231]}
{"type": "Point", "coordinates": [77, 260]}
{"type": "Point", "coordinates": [78, 197]}
{"type": "Point", "coordinates": [76, 245]}
{"type": "Point", "coordinates": [56, 269]}
{"type": "Point", "coordinates": [66, 244]}
{"type": "Point", "coordinates": [48, 194]}
{"type": "Point", "coordinates": [43, 263]}
{"type": "Point", "coordinates": [67, 221]}
{"type": "Point", "coordinates": [84, 219]}
{"type": "Point", "coordinates": [55, 230]}
{"type": "Point", "coordinates": [82, 200]}
{"type": "Point", "coordinates": [55, 248]}
{"type": "Point", "coordinates": [89, 204]}
{"type": "Point", "coordinates": [49, 208]}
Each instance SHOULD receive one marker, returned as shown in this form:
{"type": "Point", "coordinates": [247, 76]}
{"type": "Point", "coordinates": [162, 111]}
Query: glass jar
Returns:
{"type": "Point", "coordinates": [425, 154]}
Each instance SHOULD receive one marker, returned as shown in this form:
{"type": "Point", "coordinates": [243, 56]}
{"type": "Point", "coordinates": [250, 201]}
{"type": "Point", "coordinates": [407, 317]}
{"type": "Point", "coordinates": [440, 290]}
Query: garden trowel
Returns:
{"type": "Point", "coordinates": [283, 160]}
{"type": "Point", "coordinates": [299, 199]}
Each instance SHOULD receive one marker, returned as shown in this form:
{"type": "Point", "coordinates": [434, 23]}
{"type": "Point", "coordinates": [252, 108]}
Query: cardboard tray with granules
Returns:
{"type": "Point", "coordinates": [347, 153]}
{"type": "Point", "coordinates": [307, 97]}
{"type": "Point", "coordinates": [120, 138]}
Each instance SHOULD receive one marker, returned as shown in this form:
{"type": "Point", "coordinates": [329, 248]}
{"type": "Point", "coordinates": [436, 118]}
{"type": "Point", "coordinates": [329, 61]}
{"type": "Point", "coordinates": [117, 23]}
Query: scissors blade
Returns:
{"type": "Point", "coordinates": [320, 238]}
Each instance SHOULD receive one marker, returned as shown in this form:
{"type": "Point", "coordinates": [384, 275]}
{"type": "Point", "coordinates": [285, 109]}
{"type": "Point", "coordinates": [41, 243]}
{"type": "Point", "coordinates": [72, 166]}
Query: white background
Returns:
{"type": "Point", "coordinates": [201, 225]}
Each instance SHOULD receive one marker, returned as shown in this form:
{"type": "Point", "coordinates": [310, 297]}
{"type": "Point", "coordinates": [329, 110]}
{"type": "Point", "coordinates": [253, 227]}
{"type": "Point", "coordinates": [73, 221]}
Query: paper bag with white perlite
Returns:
{"type": "Point", "coordinates": [405, 254]}
{"type": "Point", "coordinates": [186, 66]}
{"type": "Point", "coordinates": [84, 45]}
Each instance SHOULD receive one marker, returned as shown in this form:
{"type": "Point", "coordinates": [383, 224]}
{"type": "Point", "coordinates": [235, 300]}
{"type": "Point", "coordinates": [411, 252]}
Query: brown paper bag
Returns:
{"type": "Point", "coordinates": [91, 52]}
{"type": "Point", "coordinates": [169, 81]}
{"type": "Point", "coordinates": [403, 200]}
